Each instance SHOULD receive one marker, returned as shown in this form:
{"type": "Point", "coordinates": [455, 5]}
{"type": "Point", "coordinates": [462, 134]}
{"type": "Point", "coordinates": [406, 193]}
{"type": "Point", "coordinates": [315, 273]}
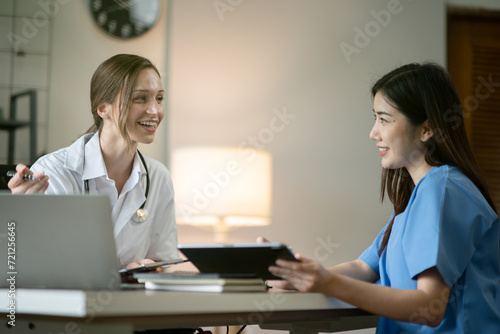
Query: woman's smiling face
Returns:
{"type": "Point", "coordinates": [398, 141]}
{"type": "Point", "coordinates": [146, 107]}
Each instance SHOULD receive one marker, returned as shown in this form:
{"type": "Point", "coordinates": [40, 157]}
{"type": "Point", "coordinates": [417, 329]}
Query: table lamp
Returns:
{"type": "Point", "coordinates": [222, 187]}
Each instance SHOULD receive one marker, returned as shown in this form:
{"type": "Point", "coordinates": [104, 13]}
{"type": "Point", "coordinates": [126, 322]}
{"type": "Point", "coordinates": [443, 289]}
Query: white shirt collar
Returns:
{"type": "Point", "coordinates": [93, 164]}
{"type": "Point", "coordinates": [87, 149]}
{"type": "Point", "coordinates": [75, 158]}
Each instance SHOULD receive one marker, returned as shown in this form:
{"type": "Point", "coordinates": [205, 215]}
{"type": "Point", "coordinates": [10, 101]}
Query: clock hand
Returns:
{"type": "Point", "coordinates": [122, 4]}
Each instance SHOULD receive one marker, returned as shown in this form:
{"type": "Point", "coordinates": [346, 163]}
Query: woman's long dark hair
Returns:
{"type": "Point", "coordinates": [425, 92]}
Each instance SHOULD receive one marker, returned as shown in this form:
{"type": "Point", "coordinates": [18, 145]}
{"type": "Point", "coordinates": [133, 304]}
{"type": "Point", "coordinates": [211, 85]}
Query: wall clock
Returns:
{"type": "Point", "coordinates": [125, 19]}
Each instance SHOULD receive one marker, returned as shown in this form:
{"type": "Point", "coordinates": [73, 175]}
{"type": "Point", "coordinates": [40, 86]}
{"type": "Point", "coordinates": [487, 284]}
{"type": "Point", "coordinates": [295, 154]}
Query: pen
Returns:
{"type": "Point", "coordinates": [26, 177]}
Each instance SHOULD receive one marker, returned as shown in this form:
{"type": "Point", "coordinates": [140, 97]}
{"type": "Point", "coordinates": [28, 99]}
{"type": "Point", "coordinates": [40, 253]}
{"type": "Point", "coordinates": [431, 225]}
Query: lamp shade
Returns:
{"type": "Point", "coordinates": [222, 185]}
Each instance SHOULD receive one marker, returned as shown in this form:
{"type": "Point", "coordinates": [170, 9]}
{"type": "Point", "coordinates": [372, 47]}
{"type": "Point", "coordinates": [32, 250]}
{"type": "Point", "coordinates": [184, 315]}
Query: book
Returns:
{"type": "Point", "coordinates": [182, 278]}
{"type": "Point", "coordinates": [213, 288]}
{"type": "Point", "coordinates": [200, 282]}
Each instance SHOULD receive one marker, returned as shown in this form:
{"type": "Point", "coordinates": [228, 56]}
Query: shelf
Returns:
{"type": "Point", "coordinates": [27, 73]}
{"type": "Point", "coordinates": [12, 124]}
{"type": "Point", "coordinates": [6, 124]}
{"type": "Point", "coordinates": [24, 53]}
{"type": "Point", "coordinates": [24, 87]}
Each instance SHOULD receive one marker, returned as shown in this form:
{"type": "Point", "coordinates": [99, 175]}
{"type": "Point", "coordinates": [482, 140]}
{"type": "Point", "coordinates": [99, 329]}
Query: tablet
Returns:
{"type": "Point", "coordinates": [127, 274]}
{"type": "Point", "coordinates": [243, 260]}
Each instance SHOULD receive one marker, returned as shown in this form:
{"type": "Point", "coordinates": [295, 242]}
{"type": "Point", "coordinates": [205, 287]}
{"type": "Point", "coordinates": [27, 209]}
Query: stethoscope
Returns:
{"type": "Point", "coordinates": [141, 215]}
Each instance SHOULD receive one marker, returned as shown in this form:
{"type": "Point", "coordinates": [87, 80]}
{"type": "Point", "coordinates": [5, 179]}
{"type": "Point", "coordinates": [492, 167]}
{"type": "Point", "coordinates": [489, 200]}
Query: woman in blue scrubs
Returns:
{"type": "Point", "coordinates": [435, 267]}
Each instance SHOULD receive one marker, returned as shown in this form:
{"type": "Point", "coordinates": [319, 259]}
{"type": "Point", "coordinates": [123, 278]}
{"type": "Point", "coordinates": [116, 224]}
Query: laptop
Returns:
{"type": "Point", "coordinates": [57, 241]}
{"type": "Point", "coordinates": [237, 260]}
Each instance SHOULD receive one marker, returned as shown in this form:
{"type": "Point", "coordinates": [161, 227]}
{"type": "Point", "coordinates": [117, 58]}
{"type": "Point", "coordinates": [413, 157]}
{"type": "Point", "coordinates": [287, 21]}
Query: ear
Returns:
{"type": "Point", "coordinates": [104, 110]}
{"type": "Point", "coordinates": [426, 132]}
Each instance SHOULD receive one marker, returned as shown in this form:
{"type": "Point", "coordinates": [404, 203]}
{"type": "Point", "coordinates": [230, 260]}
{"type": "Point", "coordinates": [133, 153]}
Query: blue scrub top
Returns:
{"type": "Point", "coordinates": [448, 225]}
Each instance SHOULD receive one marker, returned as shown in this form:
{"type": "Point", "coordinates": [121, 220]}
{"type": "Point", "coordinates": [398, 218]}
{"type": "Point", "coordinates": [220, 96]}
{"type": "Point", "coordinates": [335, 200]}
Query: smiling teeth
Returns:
{"type": "Point", "coordinates": [148, 123]}
{"type": "Point", "coordinates": [381, 149]}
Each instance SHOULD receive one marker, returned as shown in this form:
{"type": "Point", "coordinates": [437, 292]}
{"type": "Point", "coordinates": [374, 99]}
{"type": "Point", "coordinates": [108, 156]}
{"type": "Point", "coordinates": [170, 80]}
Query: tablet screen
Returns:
{"type": "Point", "coordinates": [252, 260]}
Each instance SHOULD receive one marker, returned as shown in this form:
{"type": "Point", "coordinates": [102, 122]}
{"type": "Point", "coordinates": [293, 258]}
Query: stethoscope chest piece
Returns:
{"type": "Point", "coordinates": [140, 216]}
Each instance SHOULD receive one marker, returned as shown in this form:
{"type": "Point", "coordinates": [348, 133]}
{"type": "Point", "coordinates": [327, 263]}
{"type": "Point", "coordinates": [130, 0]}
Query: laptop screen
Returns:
{"type": "Point", "coordinates": [57, 241]}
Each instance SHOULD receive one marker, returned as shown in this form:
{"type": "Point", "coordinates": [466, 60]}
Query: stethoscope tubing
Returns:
{"type": "Point", "coordinates": [141, 213]}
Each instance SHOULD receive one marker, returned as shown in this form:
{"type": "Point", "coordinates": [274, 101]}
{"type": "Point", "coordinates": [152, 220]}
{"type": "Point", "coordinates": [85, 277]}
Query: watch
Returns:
{"type": "Point", "coordinates": [125, 19]}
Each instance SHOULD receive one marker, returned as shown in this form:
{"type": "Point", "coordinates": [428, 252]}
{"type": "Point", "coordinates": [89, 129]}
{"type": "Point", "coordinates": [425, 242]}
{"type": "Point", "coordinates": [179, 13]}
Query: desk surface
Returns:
{"type": "Point", "coordinates": [162, 309]}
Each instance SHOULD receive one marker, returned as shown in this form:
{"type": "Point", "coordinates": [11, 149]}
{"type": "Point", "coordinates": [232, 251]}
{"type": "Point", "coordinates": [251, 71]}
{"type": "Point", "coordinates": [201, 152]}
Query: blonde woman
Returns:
{"type": "Point", "coordinates": [127, 106]}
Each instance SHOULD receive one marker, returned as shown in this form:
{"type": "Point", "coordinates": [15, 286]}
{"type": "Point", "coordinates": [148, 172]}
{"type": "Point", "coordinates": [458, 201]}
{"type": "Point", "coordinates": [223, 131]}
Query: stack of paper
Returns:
{"type": "Point", "coordinates": [200, 283]}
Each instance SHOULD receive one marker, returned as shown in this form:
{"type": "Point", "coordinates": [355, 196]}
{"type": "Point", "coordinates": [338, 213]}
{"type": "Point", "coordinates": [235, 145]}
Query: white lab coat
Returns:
{"type": "Point", "coordinates": [156, 238]}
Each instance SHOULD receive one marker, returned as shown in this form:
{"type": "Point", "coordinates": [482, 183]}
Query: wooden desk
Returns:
{"type": "Point", "coordinates": [75, 311]}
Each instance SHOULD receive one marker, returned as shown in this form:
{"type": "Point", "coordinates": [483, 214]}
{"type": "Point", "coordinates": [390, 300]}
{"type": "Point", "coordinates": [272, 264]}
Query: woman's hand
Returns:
{"type": "Point", "coordinates": [306, 275]}
{"type": "Point", "coordinates": [19, 185]}
{"type": "Point", "coordinates": [279, 284]}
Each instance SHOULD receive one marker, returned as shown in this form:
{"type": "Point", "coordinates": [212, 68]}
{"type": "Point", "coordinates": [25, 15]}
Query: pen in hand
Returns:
{"type": "Point", "coordinates": [26, 177]}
